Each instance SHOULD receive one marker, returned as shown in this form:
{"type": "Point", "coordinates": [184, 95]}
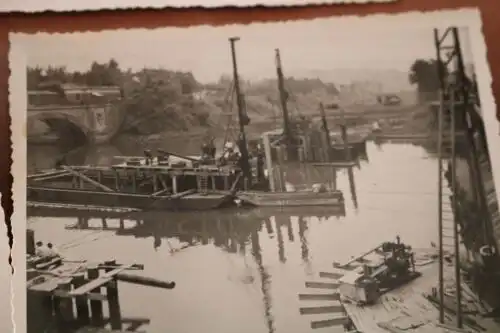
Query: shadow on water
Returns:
{"type": "Point", "coordinates": [241, 270]}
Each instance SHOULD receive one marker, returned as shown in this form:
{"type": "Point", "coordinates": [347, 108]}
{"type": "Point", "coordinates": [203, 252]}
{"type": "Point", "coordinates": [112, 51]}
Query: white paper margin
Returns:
{"type": "Point", "coordinates": [469, 17]}
{"type": "Point", "coordinates": [18, 114]}
{"type": "Point", "coordinates": [34, 6]}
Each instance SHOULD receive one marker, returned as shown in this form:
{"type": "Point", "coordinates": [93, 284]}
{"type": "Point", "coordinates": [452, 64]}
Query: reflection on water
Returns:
{"type": "Point", "coordinates": [241, 271]}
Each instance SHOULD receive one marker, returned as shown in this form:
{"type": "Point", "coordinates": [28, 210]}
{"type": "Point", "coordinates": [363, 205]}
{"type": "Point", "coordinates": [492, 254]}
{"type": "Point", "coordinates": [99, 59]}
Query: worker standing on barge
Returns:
{"type": "Point", "coordinates": [208, 150]}
{"type": "Point", "coordinates": [260, 163]}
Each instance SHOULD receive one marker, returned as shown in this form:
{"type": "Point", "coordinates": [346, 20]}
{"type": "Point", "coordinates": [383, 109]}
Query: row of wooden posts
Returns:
{"type": "Point", "coordinates": [81, 291]}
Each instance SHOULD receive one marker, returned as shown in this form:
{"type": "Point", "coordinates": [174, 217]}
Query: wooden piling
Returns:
{"type": "Point", "coordinates": [134, 182]}
{"type": "Point", "coordinates": [269, 162]}
{"type": "Point", "coordinates": [155, 182]}
{"type": "Point", "coordinates": [82, 307]}
{"type": "Point", "coordinates": [117, 180]}
{"type": "Point", "coordinates": [39, 311]}
{"type": "Point", "coordinates": [95, 305]}
{"type": "Point", "coordinates": [174, 184]}
{"type": "Point", "coordinates": [30, 241]}
{"type": "Point", "coordinates": [63, 307]}
{"type": "Point", "coordinates": [281, 176]}
{"type": "Point", "coordinates": [115, 316]}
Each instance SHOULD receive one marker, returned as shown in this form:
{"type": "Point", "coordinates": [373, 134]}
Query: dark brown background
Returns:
{"type": "Point", "coordinates": [51, 22]}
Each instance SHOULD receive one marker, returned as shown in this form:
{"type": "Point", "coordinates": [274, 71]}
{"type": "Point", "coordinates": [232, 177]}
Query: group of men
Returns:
{"type": "Point", "coordinates": [232, 154]}
{"type": "Point", "coordinates": [46, 251]}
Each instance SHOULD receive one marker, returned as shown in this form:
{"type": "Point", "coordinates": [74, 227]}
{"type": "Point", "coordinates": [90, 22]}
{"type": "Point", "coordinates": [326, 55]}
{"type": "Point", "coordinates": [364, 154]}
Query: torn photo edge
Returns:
{"type": "Point", "coordinates": [469, 17]}
{"type": "Point", "coordinates": [34, 6]}
{"type": "Point", "coordinates": [5, 275]}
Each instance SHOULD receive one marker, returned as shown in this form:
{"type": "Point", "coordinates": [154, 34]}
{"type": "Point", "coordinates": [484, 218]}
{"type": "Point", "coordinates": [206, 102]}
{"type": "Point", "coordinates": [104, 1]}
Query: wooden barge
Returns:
{"type": "Point", "coordinates": [138, 184]}
{"type": "Point", "coordinates": [66, 296]}
{"type": "Point", "coordinates": [292, 199]}
{"type": "Point", "coordinates": [135, 185]}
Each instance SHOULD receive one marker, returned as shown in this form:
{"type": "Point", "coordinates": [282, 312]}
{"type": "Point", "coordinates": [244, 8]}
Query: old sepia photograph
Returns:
{"type": "Point", "coordinates": [329, 175]}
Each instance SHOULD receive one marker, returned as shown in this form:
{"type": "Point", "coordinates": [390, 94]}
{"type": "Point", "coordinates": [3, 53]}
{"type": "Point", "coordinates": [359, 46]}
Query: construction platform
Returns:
{"type": "Point", "coordinates": [404, 309]}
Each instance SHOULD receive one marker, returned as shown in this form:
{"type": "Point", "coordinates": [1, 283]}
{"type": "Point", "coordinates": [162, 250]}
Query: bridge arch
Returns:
{"type": "Point", "coordinates": [79, 124]}
{"type": "Point", "coordinates": [68, 127]}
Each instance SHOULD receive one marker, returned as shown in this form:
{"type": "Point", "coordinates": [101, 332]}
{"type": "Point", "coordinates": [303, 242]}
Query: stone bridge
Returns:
{"type": "Point", "coordinates": [95, 124]}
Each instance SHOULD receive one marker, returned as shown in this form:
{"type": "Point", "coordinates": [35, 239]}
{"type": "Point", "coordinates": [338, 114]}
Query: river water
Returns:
{"type": "Point", "coordinates": [242, 271]}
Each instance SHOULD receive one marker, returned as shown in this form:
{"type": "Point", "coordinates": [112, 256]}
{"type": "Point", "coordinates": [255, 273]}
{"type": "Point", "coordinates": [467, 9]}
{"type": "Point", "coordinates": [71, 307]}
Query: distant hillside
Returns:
{"type": "Point", "coordinates": [391, 81]}
{"type": "Point", "coordinates": [262, 97]}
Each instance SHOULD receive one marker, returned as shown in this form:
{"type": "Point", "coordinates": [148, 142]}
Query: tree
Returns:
{"type": "Point", "coordinates": [424, 73]}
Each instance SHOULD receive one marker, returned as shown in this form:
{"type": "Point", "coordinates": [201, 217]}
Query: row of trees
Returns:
{"type": "Point", "coordinates": [424, 74]}
{"type": "Point", "coordinates": [154, 99]}
{"type": "Point", "coordinates": [159, 99]}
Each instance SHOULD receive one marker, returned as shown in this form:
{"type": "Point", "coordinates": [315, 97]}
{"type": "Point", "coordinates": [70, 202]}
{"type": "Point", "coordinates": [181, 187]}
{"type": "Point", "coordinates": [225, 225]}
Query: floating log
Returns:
{"type": "Point", "coordinates": [145, 281]}
{"type": "Point", "coordinates": [322, 285]}
{"type": "Point", "coordinates": [319, 297]}
{"type": "Point", "coordinates": [91, 181]}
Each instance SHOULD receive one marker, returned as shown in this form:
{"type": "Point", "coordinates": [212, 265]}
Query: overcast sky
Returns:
{"type": "Point", "coordinates": [325, 44]}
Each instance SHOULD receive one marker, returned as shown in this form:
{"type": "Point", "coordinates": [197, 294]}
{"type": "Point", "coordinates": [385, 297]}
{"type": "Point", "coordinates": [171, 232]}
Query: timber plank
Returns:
{"type": "Point", "coordinates": [330, 322]}
{"type": "Point", "coordinates": [100, 281]}
{"type": "Point", "coordinates": [319, 297]}
{"type": "Point", "coordinates": [322, 285]}
{"type": "Point", "coordinates": [322, 309]}
{"type": "Point", "coordinates": [331, 275]}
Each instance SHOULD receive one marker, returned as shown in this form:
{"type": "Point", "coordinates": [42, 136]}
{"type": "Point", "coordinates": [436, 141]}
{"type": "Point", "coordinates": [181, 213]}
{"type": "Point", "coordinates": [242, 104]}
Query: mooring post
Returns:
{"type": "Point", "coordinates": [117, 180]}
{"type": "Point", "coordinates": [115, 316]}
{"type": "Point", "coordinates": [155, 182]}
{"type": "Point", "coordinates": [104, 223]}
{"type": "Point", "coordinates": [95, 305]}
{"type": "Point", "coordinates": [63, 306]}
{"type": "Point", "coordinates": [174, 184]}
{"type": "Point", "coordinates": [269, 162]}
{"type": "Point", "coordinates": [82, 307]}
{"type": "Point", "coordinates": [134, 182]}
{"type": "Point", "coordinates": [30, 241]}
